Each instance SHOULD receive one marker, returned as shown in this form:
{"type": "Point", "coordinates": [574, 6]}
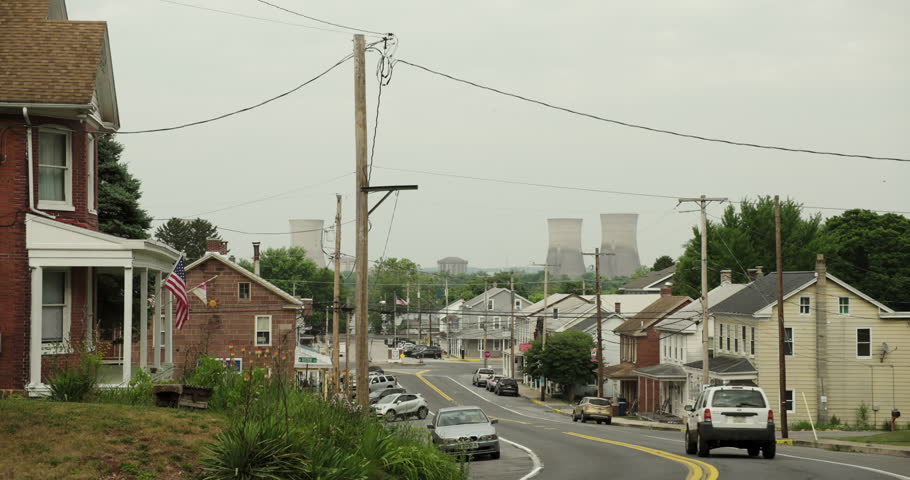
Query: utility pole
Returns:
{"type": "Point", "coordinates": [448, 323]}
{"type": "Point", "coordinates": [512, 324]}
{"type": "Point", "coordinates": [419, 317]}
{"type": "Point", "coordinates": [702, 204]}
{"type": "Point", "coordinates": [336, 302]}
{"type": "Point", "coordinates": [347, 357]}
{"type": "Point", "coordinates": [362, 252]}
{"type": "Point", "coordinates": [546, 283]}
{"type": "Point", "coordinates": [486, 312]}
{"type": "Point", "coordinates": [600, 338]}
{"type": "Point", "coordinates": [781, 357]}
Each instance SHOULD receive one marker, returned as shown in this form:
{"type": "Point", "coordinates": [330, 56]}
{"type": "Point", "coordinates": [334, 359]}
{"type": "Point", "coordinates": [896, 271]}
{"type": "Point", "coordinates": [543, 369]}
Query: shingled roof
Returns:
{"type": "Point", "coordinates": [47, 61]}
{"type": "Point", "coordinates": [652, 314]}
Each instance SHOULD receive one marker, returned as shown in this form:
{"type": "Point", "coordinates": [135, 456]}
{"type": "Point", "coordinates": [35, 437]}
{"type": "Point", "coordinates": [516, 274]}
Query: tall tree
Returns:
{"type": "Point", "coordinates": [566, 360]}
{"type": "Point", "coordinates": [745, 239]}
{"type": "Point", "coordinates": [187, 236]}
{"type": "Point", "coordinates": [872, 253]}
{"type": "Point", "coordinates": [663, 262]}
{"type": "Point", "coordinates": [119, 192]}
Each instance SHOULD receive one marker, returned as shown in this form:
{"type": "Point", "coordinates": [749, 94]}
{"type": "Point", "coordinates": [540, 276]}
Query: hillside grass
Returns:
{"type": "Point", "coordinates": [42, 439]}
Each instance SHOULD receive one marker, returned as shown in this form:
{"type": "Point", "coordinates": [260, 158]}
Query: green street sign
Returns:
{"type": "Point", "coordinates": [306, 360]}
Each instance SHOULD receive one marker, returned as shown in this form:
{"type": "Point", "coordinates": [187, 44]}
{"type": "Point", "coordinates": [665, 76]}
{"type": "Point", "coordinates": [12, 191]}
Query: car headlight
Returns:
{"type": "Point", "coordinates": [488, 437]}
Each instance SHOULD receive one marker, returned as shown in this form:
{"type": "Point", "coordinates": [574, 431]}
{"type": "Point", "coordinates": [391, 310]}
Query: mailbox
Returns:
{"type": "Point", "coordinates": [895, 413]}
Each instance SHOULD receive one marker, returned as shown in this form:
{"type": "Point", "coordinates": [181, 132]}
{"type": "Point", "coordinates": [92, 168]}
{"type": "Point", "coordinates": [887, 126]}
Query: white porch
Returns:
{"type": "Point", "coordinates": [55, 247]}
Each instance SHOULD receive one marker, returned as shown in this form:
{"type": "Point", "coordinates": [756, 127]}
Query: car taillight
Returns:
{"type": "Point", "coordinates": [770, 416]}
{"type": "Point", "coordinates": [707, 414]}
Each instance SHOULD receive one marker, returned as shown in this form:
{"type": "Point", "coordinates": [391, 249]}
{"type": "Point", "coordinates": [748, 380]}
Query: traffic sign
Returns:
{"type": "Point", "coordinates": [486, 354]}
{"type": "Point", "coordinates": [306, 360]}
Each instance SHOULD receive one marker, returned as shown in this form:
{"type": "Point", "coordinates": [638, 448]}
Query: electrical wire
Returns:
{"type": "Point", "coordinates": [252, 17]}
{"type": "Point", "coordinates": [391, 222]}
{"type": "Point", "coordinates": [647, 128]}
{"type": "Point", "coordinates": [383, 77]}
{"type": "Point", "coordinates": [245, 109]}
{"type": "Point", "coordinates": [316, 19]}
{"type": "Point", "coordinates": [277, 233]}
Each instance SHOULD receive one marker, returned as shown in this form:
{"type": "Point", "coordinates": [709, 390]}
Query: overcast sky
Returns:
{"type": "Point", "coordinates": [826, 75]}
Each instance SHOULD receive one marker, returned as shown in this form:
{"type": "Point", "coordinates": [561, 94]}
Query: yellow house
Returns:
{"type": "Point", "coordinates": [842, 347]}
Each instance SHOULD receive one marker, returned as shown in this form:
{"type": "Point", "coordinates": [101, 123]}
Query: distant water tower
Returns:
{"type": "Point", "coordinates": [452, 265]}
{"type": "Point", "coordinates": [564, 252]}
{"type": "Point", "coordinates": [307, 234]}
{"type": "Point", "coordinates": [620, 237]}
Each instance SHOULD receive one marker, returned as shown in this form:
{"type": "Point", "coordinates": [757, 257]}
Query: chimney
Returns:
{"type": "Point", "coordinates": [256, 258]}
{"type": "Point", "coordinates": [753, 274]}
{"type": "Point", "coordinates": [666, 290]}
{"type": "Point", "coordinates": [617, 307]}
{"type": "Point", "coordinates": [216, 245]}
{"type": "Point", "coordinates": [726, 277]}
{"type": "Point", "coordinates": [759, 271]}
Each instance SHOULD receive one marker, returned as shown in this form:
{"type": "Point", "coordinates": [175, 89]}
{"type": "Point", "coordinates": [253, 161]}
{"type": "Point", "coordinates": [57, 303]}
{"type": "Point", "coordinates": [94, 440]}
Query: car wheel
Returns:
{"type": "Point", "coordinates": [609, 421]}
{"type": "Point", "coordinates": [422, 413]}
{"type": "Point", "coordinates": [703, 450]}
{"type": "Point", "coordinates": [574, 418]}
{"type": "Point", "coordinates": [691, 446]}
{"type": "Point", "coordinates": [389, 416]}
{"type": "Point", "coordinates": [494, 456]}
{"type": "Point", "coordinates": [769, 450]}
{"type": "Point", "coordinates": [753, 451]}
{"type": "Point", "coordinates": [584, 418]}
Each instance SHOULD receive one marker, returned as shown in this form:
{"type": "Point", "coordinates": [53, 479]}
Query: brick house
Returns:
{"type": "Point", "coordinates": [56, 96]}
{"type": "Point", "coordinates": [640, 347]}
{"type": "Point", "coordinates": [243, 310]}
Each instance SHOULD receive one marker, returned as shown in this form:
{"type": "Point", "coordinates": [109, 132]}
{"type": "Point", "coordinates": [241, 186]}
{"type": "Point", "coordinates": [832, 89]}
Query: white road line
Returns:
{"type": "Point", "coordinates": [535, 460]}
{"type": "Point", "coordinates": [869, 469]}
{"type": "Point", "coordinates": [500, 406]}
{"type": "Point", "coordinates": [664, 439]}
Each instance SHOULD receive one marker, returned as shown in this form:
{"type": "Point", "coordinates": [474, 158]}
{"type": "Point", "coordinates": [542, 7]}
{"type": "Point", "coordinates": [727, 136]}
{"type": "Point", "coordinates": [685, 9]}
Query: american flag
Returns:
{"type": "Point", "coordinates": [176, 283]}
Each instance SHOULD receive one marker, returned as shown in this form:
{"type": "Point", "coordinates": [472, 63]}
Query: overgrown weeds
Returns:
{"type": "Point", "coordinates": [75, 383]}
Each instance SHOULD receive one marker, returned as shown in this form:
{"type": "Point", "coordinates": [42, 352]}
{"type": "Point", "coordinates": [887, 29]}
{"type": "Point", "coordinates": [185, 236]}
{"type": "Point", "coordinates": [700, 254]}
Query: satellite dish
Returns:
{"type": "Point", "coordinates": [885, 347]}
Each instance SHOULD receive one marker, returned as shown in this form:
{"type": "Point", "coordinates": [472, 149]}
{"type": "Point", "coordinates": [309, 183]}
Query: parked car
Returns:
{"type": "Point", "coordinates": [381, 382]}
{"type": "Point", "coordinates": [491, 383]}
{"type": "Point", "coordinates": [593, 408]}
{"type": "Point", "coordinates": [731, 416]}
{"type": "Point", "coordinates": [481, 375]}
{"type": "Point", "coordinates": [431, 351]}
{"type": "Point", "coordinates": [415, 350]}
{"type": "Point", "coordinates": [465, 431]}
{"type": "Point", "coordinates": [380, 394]}
{"type": "Point", "coordinates": [506, 386]}
{"type": "Point", "coordinates": [375, 369]}
{"type": "Point", "coordinates": [401, 405]}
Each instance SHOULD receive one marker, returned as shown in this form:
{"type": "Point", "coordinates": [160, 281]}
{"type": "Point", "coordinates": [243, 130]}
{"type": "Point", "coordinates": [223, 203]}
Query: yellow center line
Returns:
{"type": "Point", "coordinates": [434, 387]}
{"type": "Point", "coordinates": [698, 470]}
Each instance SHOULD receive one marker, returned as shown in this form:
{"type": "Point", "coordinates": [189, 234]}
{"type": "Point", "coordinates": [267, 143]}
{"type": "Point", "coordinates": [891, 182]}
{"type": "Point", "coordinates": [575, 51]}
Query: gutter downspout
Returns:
{"type": "Point", "coordinates": [31, 168]}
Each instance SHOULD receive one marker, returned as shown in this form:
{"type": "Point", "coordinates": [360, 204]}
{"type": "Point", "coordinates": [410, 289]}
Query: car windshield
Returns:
{"type": "Point", "coordinates": [738, 399]}
{"type": "Point", "coordinates": [388, 399]}
{"type": "Point", "coordinates": [461, 417]}
{"type": "Point", "coordinates": [599, 401]}
{"type": "Point", "coordinates": [486, 371]}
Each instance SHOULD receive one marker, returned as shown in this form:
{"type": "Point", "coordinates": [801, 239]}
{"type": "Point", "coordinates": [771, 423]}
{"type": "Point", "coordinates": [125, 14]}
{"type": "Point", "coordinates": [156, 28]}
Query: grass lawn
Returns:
{"type": "Point", "coordinates": [54, 440]}
{"type": "Point", "coordinates": [900, 438]}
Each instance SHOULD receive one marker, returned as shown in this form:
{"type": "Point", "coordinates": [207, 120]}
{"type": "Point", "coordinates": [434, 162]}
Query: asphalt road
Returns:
{"type": "Point", "coordinates": [568, 450]}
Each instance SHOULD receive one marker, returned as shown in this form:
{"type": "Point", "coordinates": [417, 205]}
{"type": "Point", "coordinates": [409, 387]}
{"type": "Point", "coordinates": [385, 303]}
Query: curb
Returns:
{"type": "Point", "coordinates": [851, 447]}
{"type": "Point", "coordinates": [616, 421]}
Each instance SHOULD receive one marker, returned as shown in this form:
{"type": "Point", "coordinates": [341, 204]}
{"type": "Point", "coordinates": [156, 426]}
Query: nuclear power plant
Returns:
{"type": "Point", "coordinates": [307, 234]}
{"type": "Point", "coordinates": [564, 253]}
{"type": "Point", "coordinates": [619, 237]}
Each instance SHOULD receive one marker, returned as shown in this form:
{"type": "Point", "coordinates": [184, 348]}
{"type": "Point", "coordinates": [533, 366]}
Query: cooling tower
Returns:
{"type": "Point", "coordinates": [307, 234]}
{"type": "Point", "coordinates": [620, 237]}
{"type": "Point", "coordinates": [564, 254]}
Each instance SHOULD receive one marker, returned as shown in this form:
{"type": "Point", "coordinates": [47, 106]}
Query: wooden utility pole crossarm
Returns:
{"type": "Point", "coordinates": [703, 202]}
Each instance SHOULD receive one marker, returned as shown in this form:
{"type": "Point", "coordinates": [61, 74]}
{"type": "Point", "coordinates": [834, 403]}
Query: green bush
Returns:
{"type": "Point", "coordinates": [138, 392]}
{"type": "Point", "coordinates": [862, 415]}
{"type": "Point", "coordinates": [74, 383]}
{"type": "Point", "coordinates": [834, 420]}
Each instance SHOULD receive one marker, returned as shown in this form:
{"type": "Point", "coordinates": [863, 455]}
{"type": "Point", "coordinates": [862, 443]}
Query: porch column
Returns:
{"type": "Point", "coordinates": [89, 308]}
{"type": "Point", "coordinates": [34, 351]}
{"type": "Point", "coordinates": [127, 324]}
{"type": "Point", "coordinates": [156, 322]}
{"type": "Point", "coordinates": [143, 318]}
{"type": "Point", "coordinates": [169, 330]}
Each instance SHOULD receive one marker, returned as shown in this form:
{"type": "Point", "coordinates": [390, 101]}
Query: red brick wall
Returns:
{"type": "Point", "coordinates": [14, 202]}
{"type": "Point", "coordinates": [648, 394]}
{"type": "Point", "coordinates": [211, 330]}
{"type": "Point", "coordinates": [648, 349]}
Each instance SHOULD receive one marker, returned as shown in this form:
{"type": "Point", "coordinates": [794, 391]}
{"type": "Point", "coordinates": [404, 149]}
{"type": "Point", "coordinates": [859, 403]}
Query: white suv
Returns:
{"type": "Point", "coordinates": [401, 405]}
{"type": "Point", "coordinates": [731, 416]}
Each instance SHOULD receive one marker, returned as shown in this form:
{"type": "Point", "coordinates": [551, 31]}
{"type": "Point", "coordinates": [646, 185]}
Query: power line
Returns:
{"type": "Point", "coordinates": [277, 233]}
{"type": "Point", "coordinates": [252, 17]}
{"type": "Point", "coordinates": [391, 222]}
{"type": "Point", "coordinates": [245, 109]}
{"type": "Point", "coordinates": [644, 127]}
{"type": "Point", "coordinates": [316, 19]}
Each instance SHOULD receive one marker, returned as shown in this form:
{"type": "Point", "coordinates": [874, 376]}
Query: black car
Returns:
{"type": "Point", "coordinates": [375, 368]}
{"type": "Point", "coordinates": [380, 394]}
{"type": "Point", "coordinates": [506, 386]}
{"type": "Point", "coordinates": [431, 351]}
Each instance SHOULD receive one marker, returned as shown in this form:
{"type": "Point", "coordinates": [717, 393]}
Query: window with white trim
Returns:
{"type": "Point", "coordinates": [517, 304]}
{"type": "Point", "coordinates": [555, 314]}
{"type": "Point", "coordinates": [90, 174]}
{"type": "Point", "coordinates": [55, 306]}
{"type": "Point", "coordinates": [805, 305]}
{"type": "Point", "coordinates": [497, 323]}
{"type": "Point", "coordinates": [788, 341]}
{"type": "Point", "coordinates": [744, 338]}
{"type": "Point", "coordinates": [490, 304]}
{"type": "Point", "coordinates": [232, 364]}
{"type": "Point", "coordinates": [843, 305]}
{"type": "Point", "coordinates": [752, 342]}
{"type": "Point", "coordinates": [243, 291]}
{"type": "Point", "coordinates": [721, 337]}
{"type": "Point", "coordinates": [55, 169]}
{"type": "Point", "coordinates": [789, 395]}
{"type": "Point", "coordinates": [729, 334]}
{"type": "Point", "coordinates": [863, 343]}
{"type": "Point", "coordinates": [263, 330]}
{"type": "Point", "coordinates": [735, 339]}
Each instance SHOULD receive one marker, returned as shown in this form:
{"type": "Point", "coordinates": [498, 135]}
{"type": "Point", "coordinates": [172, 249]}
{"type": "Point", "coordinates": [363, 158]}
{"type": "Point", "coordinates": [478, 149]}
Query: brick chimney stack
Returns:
{"type": "Point", "coordinates": [216, 245]}
{"type": "Point", "coordinates": [256, 258]}
{"type": "Point", "coordinates": [726, 277]}
{"type": "Point", "coordinates": [617, 307]}
{"type": "Point", "coordinates": [666, 290]}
